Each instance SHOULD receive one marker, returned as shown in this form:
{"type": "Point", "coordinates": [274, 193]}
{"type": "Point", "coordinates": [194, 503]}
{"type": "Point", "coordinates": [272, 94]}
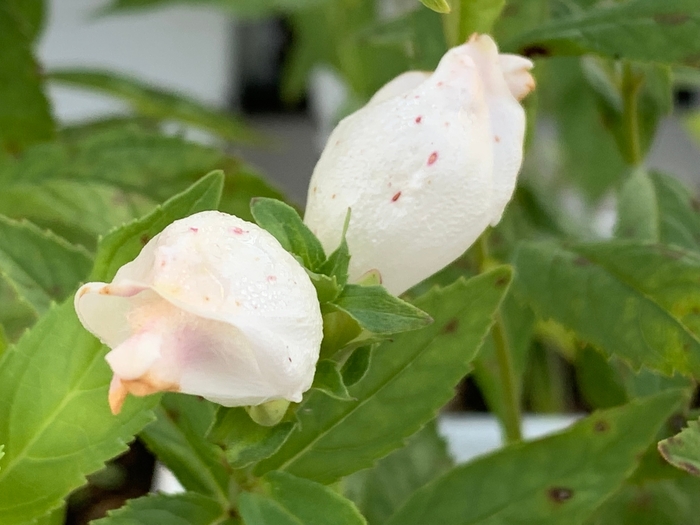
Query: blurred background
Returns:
{"type": "Point", "coordinates": [237, 63]}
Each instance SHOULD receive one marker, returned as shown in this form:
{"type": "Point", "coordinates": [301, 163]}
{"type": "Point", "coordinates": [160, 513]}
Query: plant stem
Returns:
{"type": "Point", "coordinates": [511, 406]}
{"type": "Point", "coordinates": [511, 417]}
{"type": "Point", "coordinates": [631, 85]}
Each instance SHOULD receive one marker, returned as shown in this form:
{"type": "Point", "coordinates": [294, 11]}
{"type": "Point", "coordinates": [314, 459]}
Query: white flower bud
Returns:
{"type": "Point", "coordinates": [425, 166]}
{"type": "Point", "coordinates": [212, 306]}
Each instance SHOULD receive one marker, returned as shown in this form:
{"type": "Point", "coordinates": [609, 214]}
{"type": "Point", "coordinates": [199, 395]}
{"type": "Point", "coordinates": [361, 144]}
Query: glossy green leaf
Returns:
{"type": "Point", "coordinates": [657, 207]}
{"type": "Point", "coordinates": [25, 115]}
{"type": "Point", "coordinates": [55, 422]}
{"type": "Point", "coordinates": [409, 379]}
{"type": "Point", "coordinates": [683, 450]}
{"type": "Point", "coordinates": [635, 300]}
{"type": "Point", "coordinates": [284, 223]}
{"type": "Point", "coordinates": [379, 312]}
{"type": "Point", "coordinates": [245, 442]}
{"type": "Point", "coordinates": [329, 380]}
{"type": "Point", "coordinates": [288, 500]}
{"type": "Point", "coordinates": [158, 104]}
{"type": "Point", "coordinates": [646, 30]}
{"type": "Point", "coordinates": [439, 6]}
{"type": "Point", "coordinates": [162, 509]}
{"type": "Point", "coordinates": [40, 266]}
{"type": "Point", "coordinates": [83, 188]}
{"type": "Point", "coordinates": [558, 479]}
{"type": "Point", "coordinates": [381, 490]}
{"type": "Point", "coordinates": [176, 437]}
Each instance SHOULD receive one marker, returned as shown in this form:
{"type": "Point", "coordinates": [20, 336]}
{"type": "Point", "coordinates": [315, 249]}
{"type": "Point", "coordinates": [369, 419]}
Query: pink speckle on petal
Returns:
{"type": "Point", "coordinates": [193, 229]}
{"type": "Point", "coordinates": [497, 138]}
{"type": "Point", "coordinates": [271, 278]}
{"type": "Point", "coordinates": [396, 197]}
{"type": "Point", "coordinates": [418, 119]}
{"type": "Point", "coordinates": [237, 230]}
{"type": "Point", "coordinates": [433, 157]}
{"type": "Point", "coordinates": [439, 84]}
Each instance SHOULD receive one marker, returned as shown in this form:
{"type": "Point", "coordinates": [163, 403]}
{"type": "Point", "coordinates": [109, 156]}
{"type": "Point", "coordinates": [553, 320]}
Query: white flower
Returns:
{"type": "Point", "coordinates": [425, 166]}
{"type": "Point", "coordinates": [212, 306]}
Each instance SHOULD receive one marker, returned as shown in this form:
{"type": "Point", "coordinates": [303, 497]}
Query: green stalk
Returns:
{"type": "Point", "coordinates": [511, 417]}
{"type": "Point", "coordinates": [631, 85]}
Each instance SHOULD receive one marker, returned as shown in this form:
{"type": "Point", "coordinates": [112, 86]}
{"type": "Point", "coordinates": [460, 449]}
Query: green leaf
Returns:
{"type": "Point", "coordinates": [439, 6]}
{"type": "Point", "coordinates": [244, 441]}
{"type": "Point", "coordinates": [32, 14]}
{"type": "Point", "coordinates": [598, 381]}
{"type": "Point", "coordinates": [242, 8]}
{"type": "Point", "coordinates": [558, 479]}
{"type": "Point", "coordinates": [356, 365]}
{"type": "Point", "coordinates": [379, 312]}
{"type": "Point", "coordinates": [638, 211]}
{"type": "Point", "coordinates": [646, 30]}
{"type": "Point", "coordinates": [327, 288]}
{"type": "Point", "coordinates": [284, 223]}
{"type": "Point", "coordinates": [288, 500]}
{"type": "Point", "coordinates": [635, 300]}
{"type": "Point", "coordinates": [40, 266]}
{"type": "Point", "coordinates": [658, 502]}
{"type": "Point", "coordinates": [158, 104]}
{"type": "Point", "coordinates": [25, 115]}
{"type": "Point", "coordinates": [381, 490]}
{"type": "Point", "coordinates": [409, 379]}
{"type": "Point", "coordinates": [84, 187]}
{"type": "Point", "coordinates": [683, 450]}
{"type": "Point", "coordinates": [163, 509]}
{"type": "Point", "coordinates": [657, 207]}
{"type": "Point", "coordinates": [590, 159]}
{"type": "Point", "coordinates": [55, 422]}
{"type": "Point", "coordinates": [125, 243]}
{"type": "Point", "coordinates": [329, 380]}
{"type": "Point", "coordinates": [176, 437]}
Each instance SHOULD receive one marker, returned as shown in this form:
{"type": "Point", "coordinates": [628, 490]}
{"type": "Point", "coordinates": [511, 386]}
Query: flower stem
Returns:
{"type": "Point", "coordinates": [631, 85]}
{"type": "Point", "coordinates": [511, 416]}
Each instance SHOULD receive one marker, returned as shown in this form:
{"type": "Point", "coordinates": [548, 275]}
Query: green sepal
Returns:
{"type": "Point", "coordinates": [356, 366]}
{"type": "Point", "coordinates": [329, 380]}
{"type": "Point", "coordinates": [379, 312]}
{"type": "Point", "coordinates": [244, 441]}
{"type": "Point", "coordinates": [285, 224]}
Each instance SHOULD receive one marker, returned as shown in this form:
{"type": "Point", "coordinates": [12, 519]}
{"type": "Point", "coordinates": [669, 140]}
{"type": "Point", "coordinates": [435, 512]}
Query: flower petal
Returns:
{"type": "Point", "coordinates": [416, 171]}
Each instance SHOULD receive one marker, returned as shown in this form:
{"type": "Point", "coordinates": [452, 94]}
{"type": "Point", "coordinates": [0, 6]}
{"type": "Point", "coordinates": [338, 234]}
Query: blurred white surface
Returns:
{"type": "Point", "coordinates": [189, 50]}
{"type": "Point", "coordinates": [467, 436]}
